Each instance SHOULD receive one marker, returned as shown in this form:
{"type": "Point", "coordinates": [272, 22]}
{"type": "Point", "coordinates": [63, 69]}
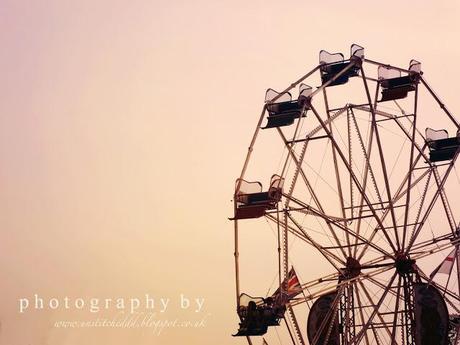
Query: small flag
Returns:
{"type": "Point", "coordinates": [293, 285]}
{"type": "Point", "coordinates": [445, 266]}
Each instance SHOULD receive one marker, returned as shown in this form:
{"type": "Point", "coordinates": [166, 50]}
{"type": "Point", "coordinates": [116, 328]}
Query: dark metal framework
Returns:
{"type": "Point", "coordinates": [375, 230]}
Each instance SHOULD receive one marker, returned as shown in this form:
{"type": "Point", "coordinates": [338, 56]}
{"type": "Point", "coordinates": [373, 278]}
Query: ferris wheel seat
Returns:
{"type": "Point", "coordinates": [334, 63]}
{"type": "Point", "coordinates": [441, 147]}
{"type": "Point", "coordinates": [246, 332]}
{"type": "Point", "coordinates": [443, 154]}
{"type": "Point", "coordinates": [399, 92]}
{"type": "Point", "coordinates": [394, 85]}
{"type": "Point", "coordinates": [257, 317]}
{"type": "Point", "coordinates": [249, 212]}
{"type": "Point", "coordinates": [254, 205]}
{"type": "Point", "coordinates": [282, 119]}
{"type": "Point", "coordinates": [283, 113]}
{"type": "Point", "coordinates": [252, 202]}
{"type": "Point", "coordinates": [397, 82]}
{"type": "Point", "coordinates": [328, 72]}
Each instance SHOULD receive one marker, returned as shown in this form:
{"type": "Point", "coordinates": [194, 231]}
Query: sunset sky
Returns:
{"type": "Point", "coordinates": [124, 125]}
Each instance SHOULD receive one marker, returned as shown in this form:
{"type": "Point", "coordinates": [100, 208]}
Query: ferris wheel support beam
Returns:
{"type": "Point", "coordinates": [289, 331]}
{"type": "Point", "coordinates": [411, 159]}
{"type": "Point", "coordinates": [367, 170]}
{"type": "Point", "coordinates": [441, 104]}
{"type": "Point", "coordinates": [359, 336]}
{"type": "Point", "coordinates": [380, 285]}
{"type": "Point", "coordinates": [336, 169]}
{"type": "Point", "coordinates": [445, 202]}
{"type": "Point", "coordinates": [327, 121]}
{"type": "Point", "coordinates": [278, 237]}
{"type": "Point", "coordinates": [295, 325]}
{"type": "Point", "coordinates": [382, 158]}
{"type": "Point", "coordinates": [379, 315]}
{"type": "Point", "coordinates": [328, 255]}
{"type": "Point", "coordinates": [307, 182]}
{"type": "Point", "coordinates": [361, 314]}
{"type": "Point", "coordinates": [355, 179]}
{"type": "Point", "coordinates": [339, 225]}
{"type": "Point", "coordinates": [433, 167]}
{"type": "Point", "coordinates": [236, 256]}
{"type": "Point", "coordinates": [398, 195]}
{"type": "Point", "coordinates": [395, 317]}
{"type": "Point", "coordinates": [431, 205]}
{"type": "Point", "coordinates": [328, 289]}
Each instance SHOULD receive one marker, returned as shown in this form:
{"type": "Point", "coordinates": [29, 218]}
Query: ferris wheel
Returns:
{"type": "Point", "coordinates": [354, 234]}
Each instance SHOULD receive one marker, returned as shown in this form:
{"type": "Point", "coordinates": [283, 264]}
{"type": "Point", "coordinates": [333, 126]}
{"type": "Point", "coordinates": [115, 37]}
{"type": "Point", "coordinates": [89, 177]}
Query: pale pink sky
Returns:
{"type": "Point", "coordinates": [123, 127]}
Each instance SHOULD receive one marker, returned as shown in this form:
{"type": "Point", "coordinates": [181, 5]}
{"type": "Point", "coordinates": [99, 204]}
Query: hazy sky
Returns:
{"type": "Point", "coordinates": [122, 130]}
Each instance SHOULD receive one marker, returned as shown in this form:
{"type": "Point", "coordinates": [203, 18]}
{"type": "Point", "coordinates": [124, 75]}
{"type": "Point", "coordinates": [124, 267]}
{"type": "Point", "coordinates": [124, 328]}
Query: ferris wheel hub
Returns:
{"type": "Point", "coordinates": [352, 269]}
{"type": "Point", "coordinates": [404, 264]}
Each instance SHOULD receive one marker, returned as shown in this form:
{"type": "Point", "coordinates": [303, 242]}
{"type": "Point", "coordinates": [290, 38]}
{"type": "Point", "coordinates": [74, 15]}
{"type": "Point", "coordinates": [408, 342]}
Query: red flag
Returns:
{"type": "Point", "coordinates": [445, 266]}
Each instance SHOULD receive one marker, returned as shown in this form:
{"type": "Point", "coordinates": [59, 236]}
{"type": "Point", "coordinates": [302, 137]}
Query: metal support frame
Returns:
{"type": "Point", "coordinates": [409, 322]}
{"type": "Point", "coordinates": [347, 315]}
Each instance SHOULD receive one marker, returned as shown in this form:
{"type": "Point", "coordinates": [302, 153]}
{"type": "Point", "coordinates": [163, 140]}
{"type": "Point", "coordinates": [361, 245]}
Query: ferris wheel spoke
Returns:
{"type": "Point", "coordinates": [326, 253]}
{"type": "Point", "coordinates": [382, 160]}
{"type": "Point", "coordinates": [289, 331]}
{"type": "Point", "coordinates": [334, 285]}
{"type": "Point", "coordinates": [411, 160]}
{"type": "Point", "coordinates": [317, 245]}
{"type": "Point", "coordinates": [412, 166]}
{"type": "Point", "coordinates": [380, 285]}
{"type": "Point", "coordinates": [368, 171]}
{"type": "Point", "coordinates": [337, 223]}
{"type": "Point", "coordinates": [445, 202]}
{"type": "Point", "coordinates": [422, 202]}
{"type": "Point", "coordinates": [396, 313]}
{"type": "Point", "coordinates": [336, 169]}
{"type": "Point", "coordinates": [430, 206]}
{"type": "Point", "coordinates": [441, 104]}
{"type": "Point", "coordinates": [398, 195]}
{"type": "Point", "coordinates": [355, 180]}
{"type": "Point", "coordinates": [309, 187]}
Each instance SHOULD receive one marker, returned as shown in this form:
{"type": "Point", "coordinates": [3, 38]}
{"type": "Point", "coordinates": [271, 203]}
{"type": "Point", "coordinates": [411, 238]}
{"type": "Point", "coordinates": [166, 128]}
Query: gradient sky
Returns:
{"type": "Point", "coordinates": [123, 127]}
